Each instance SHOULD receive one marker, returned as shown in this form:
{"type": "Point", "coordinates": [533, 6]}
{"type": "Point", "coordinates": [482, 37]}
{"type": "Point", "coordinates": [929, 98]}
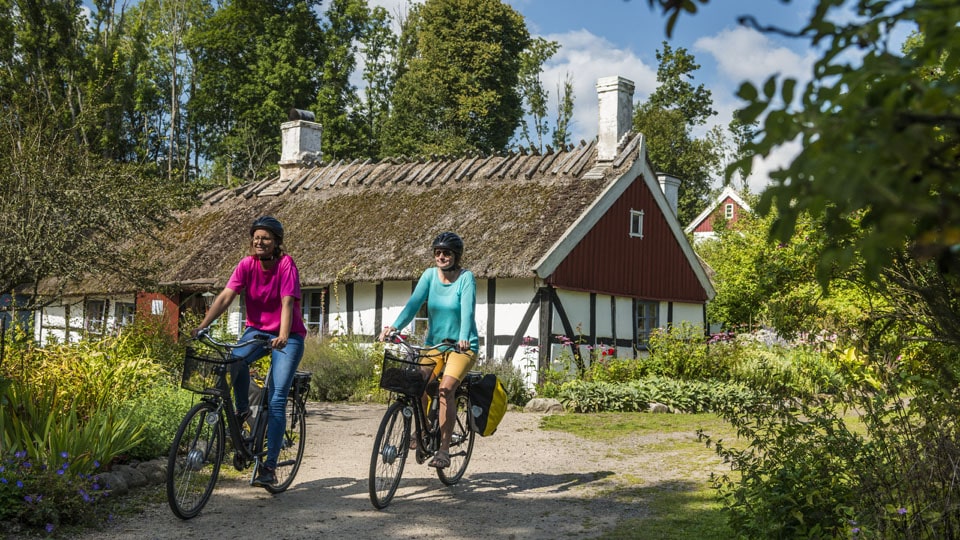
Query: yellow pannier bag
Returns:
{"type": "Point", "coordinates": [488, 403]}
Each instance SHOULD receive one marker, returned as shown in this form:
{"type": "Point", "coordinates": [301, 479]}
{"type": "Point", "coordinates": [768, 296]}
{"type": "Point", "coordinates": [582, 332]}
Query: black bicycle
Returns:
{"type": "Point", "coordinates": [198, 448]}
{"type": "Point", "coordinates": [407, 374]}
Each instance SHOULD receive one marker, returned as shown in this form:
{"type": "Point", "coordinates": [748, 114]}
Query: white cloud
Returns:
{"type": "Point", "coordinates": [745, 55]}
{"type": "Point", "coordinates": [588, 57]}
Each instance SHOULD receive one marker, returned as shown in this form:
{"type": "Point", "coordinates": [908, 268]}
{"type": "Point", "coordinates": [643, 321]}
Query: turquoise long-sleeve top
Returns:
{"type": "Point", "coordinates": [451, 308]}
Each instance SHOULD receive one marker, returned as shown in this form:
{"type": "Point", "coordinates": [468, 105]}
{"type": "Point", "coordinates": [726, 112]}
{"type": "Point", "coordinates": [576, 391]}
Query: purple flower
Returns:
{"type": "Point", "coordinates": [27, 465]}
{"type": "Point", "coordinates": [3, 480]}
{"type": "Point", "coordinates": [19, 483]}
{"type": "Point", "coordinates": [96, 464]}
{"type": "Point", "coordinates": [901, 511]}
{"type": "Point", "coordinates": [60, 472]}
{"type": "Point", "coordinates": [28, 499]}
{"type": "Point", "coordinates": [49, 528]}
{"type": "Point", "coordinates": [20, 454]}
{"type": "Point", "coordinates": [64, 454]}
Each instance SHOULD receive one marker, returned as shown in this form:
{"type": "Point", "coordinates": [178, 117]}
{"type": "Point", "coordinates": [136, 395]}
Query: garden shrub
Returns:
{"type": "Point", "coordinates": [343, 367]}
{"type": "Point", "coordinates": [512, 378]}
{"type": "Point", "coordinates": [637, 395]}
{"type": "Point", "coordinates": [159, 412]}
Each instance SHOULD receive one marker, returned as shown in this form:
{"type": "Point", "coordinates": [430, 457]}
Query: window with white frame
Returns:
{"type": "Point", "coordinates": [313, 311]}
{"type": "Point", "coordinates": [648, 320]}
{"type": "Point", "coordinates": [123, 313]}
{"type": "Point", "coordinates": [728, 211]}
{"type": "Point", "coordinates": [636, 223]}
{"type": "Point", "coordinates": [93, 315]}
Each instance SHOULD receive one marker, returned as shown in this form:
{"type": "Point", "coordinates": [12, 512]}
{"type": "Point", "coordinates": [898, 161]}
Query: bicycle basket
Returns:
{"type": "Point", "coordinates": [402, 376]}
{"type": "Point", "coordinates": [200, 373]}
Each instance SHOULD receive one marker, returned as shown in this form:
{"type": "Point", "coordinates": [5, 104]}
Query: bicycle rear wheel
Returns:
{"type": "Point", "coordinates": [461, 444]}
{"type": "Point", "coordinates": [291, 453]}
{"type": "Point", "coordinates": [194, 461]}
{"type": "Point", "coordinates": [389, 455]}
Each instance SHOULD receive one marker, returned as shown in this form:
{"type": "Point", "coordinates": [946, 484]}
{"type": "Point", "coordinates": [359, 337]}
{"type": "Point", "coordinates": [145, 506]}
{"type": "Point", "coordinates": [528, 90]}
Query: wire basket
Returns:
{"type": "Point", "coordinates": [403, 376]}
{"type": "Point", "coordinates": [201, 373]}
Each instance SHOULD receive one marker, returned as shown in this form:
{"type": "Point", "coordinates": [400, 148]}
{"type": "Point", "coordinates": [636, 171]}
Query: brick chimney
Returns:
{"type": "Point", "coordinates": [616, 114]}
{"type": "Point", "coordinates": [301, 143]}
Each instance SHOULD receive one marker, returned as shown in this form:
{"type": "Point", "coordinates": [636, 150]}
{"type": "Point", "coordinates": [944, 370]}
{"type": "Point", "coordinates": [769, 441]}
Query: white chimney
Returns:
{"type": "Point", "coordinates": [670, 185]}
{"type": "Point", "coordinates": [616, 114]}
{"type": "Point", "coordinates": [300, 143]}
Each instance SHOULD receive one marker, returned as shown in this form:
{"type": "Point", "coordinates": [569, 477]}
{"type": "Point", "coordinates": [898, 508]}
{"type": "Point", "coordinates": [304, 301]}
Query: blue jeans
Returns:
{"type": "Point", "coordinates": [283, 367]}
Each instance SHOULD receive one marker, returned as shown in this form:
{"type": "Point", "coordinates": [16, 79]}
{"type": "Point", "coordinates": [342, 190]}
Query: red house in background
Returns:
{"type": "Point", "coordinates": [728, 206]}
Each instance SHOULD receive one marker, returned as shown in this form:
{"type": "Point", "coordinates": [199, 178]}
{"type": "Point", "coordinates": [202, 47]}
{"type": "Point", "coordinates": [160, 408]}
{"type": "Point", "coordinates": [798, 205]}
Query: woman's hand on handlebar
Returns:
{"type": "Point", "coordinates": [197, 332]}
{"type": "Point", "coordinates": [386, 332]}
{"type": "Point", "coordinates": [463, 345]}
{"type": "Point", "coordinates": [278, 342]}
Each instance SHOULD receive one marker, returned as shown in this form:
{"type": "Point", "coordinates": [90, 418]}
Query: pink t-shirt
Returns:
{"type": "Point", "coordinates": [264, 290]}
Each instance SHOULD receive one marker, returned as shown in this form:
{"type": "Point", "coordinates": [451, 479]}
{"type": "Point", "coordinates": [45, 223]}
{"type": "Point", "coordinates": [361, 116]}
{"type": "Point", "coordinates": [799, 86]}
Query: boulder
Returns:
{"type": "Point", "coordinates": [547, 405]}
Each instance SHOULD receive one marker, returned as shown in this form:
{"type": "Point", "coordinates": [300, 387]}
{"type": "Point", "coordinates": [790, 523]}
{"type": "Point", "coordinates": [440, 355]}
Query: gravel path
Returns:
{"type": "Point", "coordinates": [521, 483]}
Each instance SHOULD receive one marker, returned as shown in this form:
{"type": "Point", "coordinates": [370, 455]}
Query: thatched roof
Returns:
{"type": "Point", "coordinates": [372, 221]}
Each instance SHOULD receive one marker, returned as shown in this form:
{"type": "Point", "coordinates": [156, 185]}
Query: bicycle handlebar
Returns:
{"type": "Point", "coordinates": [444, 346]}
{"type": "Point", "coordinates": [204, 335]}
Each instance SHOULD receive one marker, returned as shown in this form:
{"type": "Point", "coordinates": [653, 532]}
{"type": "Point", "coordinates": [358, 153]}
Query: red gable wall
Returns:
{"type": "Point", "coordinates": [707, 224]}
{"type": "Point", "coordinates": [609, 261]}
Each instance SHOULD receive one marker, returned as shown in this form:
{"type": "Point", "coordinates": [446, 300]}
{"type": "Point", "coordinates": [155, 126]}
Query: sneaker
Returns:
{"type": "Point", "coordinates": [266, 477]}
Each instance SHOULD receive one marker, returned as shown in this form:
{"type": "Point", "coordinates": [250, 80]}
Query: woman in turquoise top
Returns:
{"type": "Point", "coordinates": [451, 296]}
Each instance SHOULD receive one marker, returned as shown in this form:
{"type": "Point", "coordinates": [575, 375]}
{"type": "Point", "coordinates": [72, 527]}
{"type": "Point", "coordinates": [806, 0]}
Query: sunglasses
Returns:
{"type": "Point", "coordinates": [442, 252]}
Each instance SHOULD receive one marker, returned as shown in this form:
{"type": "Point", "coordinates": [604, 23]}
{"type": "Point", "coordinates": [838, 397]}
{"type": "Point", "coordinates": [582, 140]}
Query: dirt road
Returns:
{"type": "Point", "coordinates": [521, 483]}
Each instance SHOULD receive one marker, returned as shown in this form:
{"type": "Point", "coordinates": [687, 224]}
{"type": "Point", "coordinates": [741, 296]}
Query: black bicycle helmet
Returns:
{"type": "Point", "coordinates": [449, 240]}
{"type": "Point", "coordinates": [268, 223]}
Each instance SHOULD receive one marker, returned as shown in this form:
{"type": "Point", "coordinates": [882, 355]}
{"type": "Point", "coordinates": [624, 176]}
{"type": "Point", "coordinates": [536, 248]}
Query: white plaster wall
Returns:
{"type": "Point", "coordinates": [365, 309]}
{"type": "Point", "coordinates": [395, 296]}
{"type": "Point", "coordinates": [691, 313]}
{"type": "Point", "coordinates": [626, 325]}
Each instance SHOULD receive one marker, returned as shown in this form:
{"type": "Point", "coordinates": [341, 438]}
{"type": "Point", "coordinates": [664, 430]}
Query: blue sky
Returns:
{"type": "Point", "coordinates": [601, 38]}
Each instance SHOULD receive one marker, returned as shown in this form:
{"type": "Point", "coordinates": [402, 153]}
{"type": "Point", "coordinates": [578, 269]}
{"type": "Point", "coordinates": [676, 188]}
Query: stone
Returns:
{"type": "Point", "coordinates": [132, 476]}
{"type": "Point", "coordinates": [113, 482]}
{"type": "Point", "coordinates": [548, 405]}
{"type": "Point", "coordinates": [659, 408]}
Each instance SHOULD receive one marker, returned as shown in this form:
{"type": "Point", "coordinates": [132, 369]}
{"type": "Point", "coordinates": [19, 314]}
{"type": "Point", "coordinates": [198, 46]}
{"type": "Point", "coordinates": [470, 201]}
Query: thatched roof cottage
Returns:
{"type": "Point", "coordinates": [582, 243]}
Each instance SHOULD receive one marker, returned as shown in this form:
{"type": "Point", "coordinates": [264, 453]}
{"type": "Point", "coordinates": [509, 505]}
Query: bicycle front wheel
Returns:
{"type": "Point", "coordinates": [194, 461]}
{"type": "Point", "coordinates": [389, 455]}
{"type": "Point", "coordinates": [291, 451]}
{"type": "Point", "coordinates": [461, 444]}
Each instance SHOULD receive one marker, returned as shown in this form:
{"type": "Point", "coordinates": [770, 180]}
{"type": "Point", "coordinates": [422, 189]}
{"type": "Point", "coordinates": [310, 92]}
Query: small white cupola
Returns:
{"type": "Point", "coordinates": [300, 143]}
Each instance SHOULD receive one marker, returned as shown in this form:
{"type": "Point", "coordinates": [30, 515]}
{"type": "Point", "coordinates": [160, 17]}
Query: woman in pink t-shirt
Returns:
{"type": "Point", "coordinates": [270, 282]}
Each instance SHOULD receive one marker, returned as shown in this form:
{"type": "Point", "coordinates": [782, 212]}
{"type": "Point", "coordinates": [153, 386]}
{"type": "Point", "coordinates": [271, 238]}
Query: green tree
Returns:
{"type": "Point", "coordinates": [255, 60]}
{"type": "Point", "coordinates": [379, 47]}
{"type": "Point", "coordinates": [764, 283]}
{"type": "Point", "coordinates": [337, 103]}
{"type": "Point", "coordinates": [565, 98]}
{"type": "Point", "coordinates": [880, 135]}
{"type": "Point", "coordinates": [667, 119]}
{"type": "Point", "coordinates": [458, 84]}
{"type": "Point", "coordinates": [533, 93]}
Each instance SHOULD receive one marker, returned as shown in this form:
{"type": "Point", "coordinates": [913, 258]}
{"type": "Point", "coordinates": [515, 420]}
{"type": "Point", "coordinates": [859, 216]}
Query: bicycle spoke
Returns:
{"type": "Point", "coordinates": [194, 461]}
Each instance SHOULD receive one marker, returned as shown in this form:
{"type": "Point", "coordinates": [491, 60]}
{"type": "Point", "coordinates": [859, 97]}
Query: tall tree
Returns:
{"type": "Point", "coordinates": [458, 88]}
{"type": "Point", "coordinates": [338, 105]}
{"type": "Point", "coordinates": [668, 117]}
{"type": "Point", "coordinates": [565, 98]}
{"type": "Point", "coordinates": [379, 47]}
{"type": "Point", "coordinates": [255, 60]}
{"type": "Point", "coordinates": [533, 93]}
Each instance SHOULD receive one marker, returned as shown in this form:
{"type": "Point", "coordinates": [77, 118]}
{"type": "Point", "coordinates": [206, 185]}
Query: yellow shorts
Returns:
{"type": "Point", "coordinates": [453, 364]}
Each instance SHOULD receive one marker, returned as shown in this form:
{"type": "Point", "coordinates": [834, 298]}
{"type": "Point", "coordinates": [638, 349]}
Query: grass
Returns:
{"type": "Point", "coordinates": [681, 503]}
